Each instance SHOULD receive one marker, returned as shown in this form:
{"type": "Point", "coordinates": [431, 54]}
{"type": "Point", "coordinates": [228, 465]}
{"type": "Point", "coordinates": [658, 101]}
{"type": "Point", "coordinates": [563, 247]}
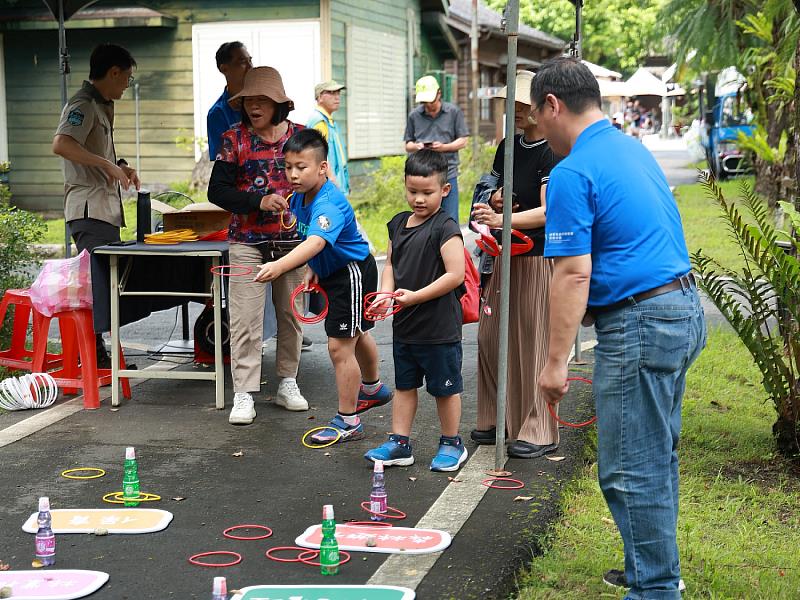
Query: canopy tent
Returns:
{"type": "Point", "coordinates": [614, 89]}
{"type": "Point", "coordinates": [644, 83]}
{"type": "Point", "coordinates": [601, 72]}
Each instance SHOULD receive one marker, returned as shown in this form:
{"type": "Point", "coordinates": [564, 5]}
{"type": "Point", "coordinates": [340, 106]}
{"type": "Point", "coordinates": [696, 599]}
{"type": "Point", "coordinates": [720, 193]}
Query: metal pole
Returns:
{"type": "Point", "coordinates": [578, 29]}
{"type": "Point", "coordinates": [475, 104]}
{"type": "Point", "coordinates": [512, 28]}
{"type": "Point", "coordinates": [63, 65]}
{"type": "Point", "coordinates": [138, 137]}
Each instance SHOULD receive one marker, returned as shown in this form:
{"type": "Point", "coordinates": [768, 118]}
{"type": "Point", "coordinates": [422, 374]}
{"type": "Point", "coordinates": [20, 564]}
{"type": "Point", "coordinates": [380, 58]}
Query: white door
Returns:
{"type": "Point", "coordinates": [3, 118]}
{"type": "Point", "coordinates": [291, 46]}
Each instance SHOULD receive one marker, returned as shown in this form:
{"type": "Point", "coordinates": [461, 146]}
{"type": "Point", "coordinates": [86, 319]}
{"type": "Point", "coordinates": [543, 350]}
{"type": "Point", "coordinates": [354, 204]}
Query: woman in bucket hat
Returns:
{"type": "Point", "coordinates": [528, 424]}
{"type": "Point", "coordinates": [249, 180]}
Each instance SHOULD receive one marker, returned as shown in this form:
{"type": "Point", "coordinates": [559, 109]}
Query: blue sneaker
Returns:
{"type": "Point", "coordinates": [383, 395]}
{"type": "Point", "coordinates": [392, 453]}
{"type": "Point", "coordinates": [347, 432]}
{"type": "Point", "coordinates": [451, 454]}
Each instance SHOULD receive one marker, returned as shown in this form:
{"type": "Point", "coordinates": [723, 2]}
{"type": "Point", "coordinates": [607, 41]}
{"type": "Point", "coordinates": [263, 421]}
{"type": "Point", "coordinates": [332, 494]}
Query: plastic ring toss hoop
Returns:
{"type": "Point", "coordinates": [375, 297]}
{"type": "Point", "coordinates": [398, 514]}
{"type": "Point", "coordinates": [311, 288]}
{"type": "Point", "coordinates": [231, 270]}
{"type": "Point", "coordinates": [237, 558]}
{"type": "Point", "coordinates": [270, 556]}
{"type": "Point", "coordinates": [553, 414]}
{"type": "Point", "coordinates": [227, 533]}
{"type": "Point", "coordinates": [119, 498]}
{"type": "Point", "coordinates": [309, 560]}
{"type": "Point", "coordinates": [516, 484]}
{"type": "Point", "coordinates": [68, 474]}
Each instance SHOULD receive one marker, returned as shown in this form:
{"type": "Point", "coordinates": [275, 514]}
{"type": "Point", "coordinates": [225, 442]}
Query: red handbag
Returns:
{"type": "Point", "coordinates": [471, 300]}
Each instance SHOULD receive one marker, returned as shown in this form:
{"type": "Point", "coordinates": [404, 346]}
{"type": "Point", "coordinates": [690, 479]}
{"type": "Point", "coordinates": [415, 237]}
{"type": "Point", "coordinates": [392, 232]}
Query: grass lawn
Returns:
{"type": "Point", "coordinates": [739, 519]}
{"type": "Point", "coordinates": [702, 221]}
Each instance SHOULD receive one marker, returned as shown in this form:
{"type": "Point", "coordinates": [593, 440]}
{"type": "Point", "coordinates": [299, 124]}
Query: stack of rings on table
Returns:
{"type": "Point", "coordinates": [373, 298]}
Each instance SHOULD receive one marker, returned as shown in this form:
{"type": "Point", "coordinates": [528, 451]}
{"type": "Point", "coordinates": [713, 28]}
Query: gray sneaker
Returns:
{"type": "Point", "coordinates": [243, 411]}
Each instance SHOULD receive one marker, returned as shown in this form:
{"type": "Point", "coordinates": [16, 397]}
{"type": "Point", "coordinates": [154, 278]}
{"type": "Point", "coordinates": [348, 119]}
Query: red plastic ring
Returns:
{"type": "Point", "coordinates": [231, 270]}
{"type": "Point", "coordinates": [314, 287]}
{"type": "Point", "coordinates": [372, 298]}
{"type": "Point", "coordinates": [239, 537]}
{"type": "Point", "coordinates": [368, 523]}
{"type": "Point", "coordinates": [553, 414]}
{"type": "Point", "coordinates": [315, 554]}
{"type": "Point", "coordinates": [399, 514]}
{"type": "Point", "coordinates": [269, 552]}
{"type": "Point", "coordinates": [492, 480]}
{"type": "Point", "coordinates": [193, 559]}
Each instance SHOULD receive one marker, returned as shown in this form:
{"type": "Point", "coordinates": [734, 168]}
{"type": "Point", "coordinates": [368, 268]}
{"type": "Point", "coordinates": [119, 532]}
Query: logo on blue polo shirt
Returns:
{"type": "Point", "coordinates": [556, 237]}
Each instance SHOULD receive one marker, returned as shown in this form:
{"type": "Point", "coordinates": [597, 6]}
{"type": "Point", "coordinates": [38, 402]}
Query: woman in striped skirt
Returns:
{"type": "Point", "coordinates": [529, 426]}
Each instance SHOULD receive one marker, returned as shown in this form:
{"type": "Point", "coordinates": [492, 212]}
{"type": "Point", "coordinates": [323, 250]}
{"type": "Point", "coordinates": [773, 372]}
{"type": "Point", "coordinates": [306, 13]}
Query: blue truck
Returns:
{"type": "Point", "coordinates": [725, 116]}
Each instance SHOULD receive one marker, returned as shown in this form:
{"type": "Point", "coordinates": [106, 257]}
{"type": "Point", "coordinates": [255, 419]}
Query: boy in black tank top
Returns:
{"type": "Point", "coordinates": [425, 269]}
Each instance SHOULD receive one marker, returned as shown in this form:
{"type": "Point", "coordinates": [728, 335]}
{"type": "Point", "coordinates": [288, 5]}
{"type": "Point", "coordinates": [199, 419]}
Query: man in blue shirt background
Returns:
{"type": "Point", "coordinates": [615, 233]}
{"type": "Point", "coordinates": [233, 61]}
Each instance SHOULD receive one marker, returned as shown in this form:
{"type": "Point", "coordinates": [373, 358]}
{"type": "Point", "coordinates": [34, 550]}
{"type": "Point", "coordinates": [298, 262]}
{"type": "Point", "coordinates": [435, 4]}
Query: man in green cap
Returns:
{"type": "Point", "coordinates": [439, 126]}
{"type": "Point", "coordinates": [329, 96]}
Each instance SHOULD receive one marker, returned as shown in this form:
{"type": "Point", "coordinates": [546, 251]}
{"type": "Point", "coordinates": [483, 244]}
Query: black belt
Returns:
{"type": "Point", "coordinates": [684, 282]}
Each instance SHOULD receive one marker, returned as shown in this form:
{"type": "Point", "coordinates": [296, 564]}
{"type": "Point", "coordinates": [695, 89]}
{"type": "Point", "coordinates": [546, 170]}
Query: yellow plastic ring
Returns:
{"type": "Point", "coordinates": [336, 439]}
{"type": "Point", "coordinates": [119, 498]}
{"type": "Point", "coordinates": [100, 473]}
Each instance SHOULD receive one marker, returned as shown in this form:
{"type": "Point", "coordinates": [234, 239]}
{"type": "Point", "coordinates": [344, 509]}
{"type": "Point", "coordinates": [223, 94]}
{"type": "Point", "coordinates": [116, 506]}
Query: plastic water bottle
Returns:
{"type": "Point", "coordinates": [329, 547]}
{"type": "Point", "coordinates": [45, 538]}
{"type": "Point", "coordinates": [130, 480]}
{"type": "Point", "coordinates": [377, 498]}
{"type": "Point", "coordinates": [220, 590]}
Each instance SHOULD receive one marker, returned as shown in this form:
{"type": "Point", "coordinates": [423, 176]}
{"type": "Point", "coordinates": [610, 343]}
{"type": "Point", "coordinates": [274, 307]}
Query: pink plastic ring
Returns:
{"type": "Point", "coordinates": [193, 559]}
{"type": "Point", "coordinates": [368, 523]}
{"type": "Point", "coordinates": [399, 514]}
{"type": "Point", "coordinates": [239, 537]}
{"type": "Point", "coordinates": [269, 552]}
{"type": "Point", "coordinates": [231, 270]}
{"type": "Point", "coordinates": [492, 480]}
{"type": "Point", "coordinates": [315, 554]}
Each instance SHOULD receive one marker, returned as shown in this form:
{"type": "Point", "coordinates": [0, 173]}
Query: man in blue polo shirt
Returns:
{"type": "Point", "coordinates": [615, 233]}
{"type": "Point", "coordinates": [233, 61]}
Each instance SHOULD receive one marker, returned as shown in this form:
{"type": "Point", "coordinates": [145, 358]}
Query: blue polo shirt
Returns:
{"type": "Point", "coordinates": [609, 198]}
{"type": "Point", "coordinates": [330, 216]}
{"type": "Point", "coordinates": [221, 117]}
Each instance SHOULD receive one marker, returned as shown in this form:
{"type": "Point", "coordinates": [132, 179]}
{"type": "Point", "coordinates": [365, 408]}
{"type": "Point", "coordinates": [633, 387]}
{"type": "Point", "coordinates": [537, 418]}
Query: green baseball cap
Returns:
{"type": "Point", "coordinates": [426, 89]}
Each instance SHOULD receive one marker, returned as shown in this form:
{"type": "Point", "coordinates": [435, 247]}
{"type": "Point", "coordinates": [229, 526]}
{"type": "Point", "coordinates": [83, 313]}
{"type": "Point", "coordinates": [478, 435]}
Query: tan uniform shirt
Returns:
{"type": "Point", "coordinates": [89, 119]}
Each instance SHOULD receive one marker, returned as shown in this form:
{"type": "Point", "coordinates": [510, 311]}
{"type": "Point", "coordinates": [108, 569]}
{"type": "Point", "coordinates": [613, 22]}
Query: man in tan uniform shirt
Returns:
{"type": "Point", "coordinates": [93, 176]}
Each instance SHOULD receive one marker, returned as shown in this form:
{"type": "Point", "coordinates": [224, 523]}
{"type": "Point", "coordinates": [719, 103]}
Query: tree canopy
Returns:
{"type": "Point", "coordinates": [617, 34]}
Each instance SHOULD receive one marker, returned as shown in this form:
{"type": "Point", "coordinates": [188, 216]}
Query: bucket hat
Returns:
{"type": "Point", "coordinates": [262, 81]}
{"type": "Point", "coordinates": [522, 93]}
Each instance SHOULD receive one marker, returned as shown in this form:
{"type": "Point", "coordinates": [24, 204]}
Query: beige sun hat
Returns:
{"type": "Point", "coordinates": [523, 89]}
{"type": "Point", "coordinates": [262, 81]}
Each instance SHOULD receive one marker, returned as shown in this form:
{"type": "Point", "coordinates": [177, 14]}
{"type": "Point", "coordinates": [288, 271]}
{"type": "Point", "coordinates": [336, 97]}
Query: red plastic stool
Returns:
{"type": "Point", "coordinates": [18, 356]}
{"type": "Point", "coordinates": [77, 340]}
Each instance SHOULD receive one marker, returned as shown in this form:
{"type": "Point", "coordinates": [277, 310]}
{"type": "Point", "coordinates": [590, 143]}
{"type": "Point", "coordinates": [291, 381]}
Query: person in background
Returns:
{"type": "Point", "coordinates": [233, 61]}
{"type": "Point", "coordinates": [439, 126]}
{"type": "Point", "coordinates": [621, 264]}
{"type": "Point", "coordinates": [249, 180]}
{"type": "Point", "coordinates": [529, 426]}
{"type": "Point", "coordinates": [93, 175]}
{"type": "Point", "coordinates": [329, 97]}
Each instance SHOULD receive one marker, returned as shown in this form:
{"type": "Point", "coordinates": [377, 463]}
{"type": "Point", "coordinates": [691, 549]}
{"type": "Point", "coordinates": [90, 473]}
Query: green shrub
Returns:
{"type": "Point", "coordinates": [383, 195]}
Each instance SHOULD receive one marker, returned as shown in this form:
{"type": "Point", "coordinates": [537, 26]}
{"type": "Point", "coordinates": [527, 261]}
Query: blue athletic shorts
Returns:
{"type": "Point", "coordinates": [438, 364]}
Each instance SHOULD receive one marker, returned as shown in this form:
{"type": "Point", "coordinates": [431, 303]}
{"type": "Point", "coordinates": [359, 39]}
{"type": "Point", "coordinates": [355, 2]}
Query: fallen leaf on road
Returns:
{"type": "Point", "coordinates": [4, 566]}
{"type": "Point", "coordinates": [555, 458]}
{"type": "Point", "coordinates": [238, 454]}
{"type": "Point", "coordinates": [178, 498]}
{"type": "Point", "coordinates": [311, 417]}
{"type": "Point", "coordinates": [498, 473]}
{"type": "Point", "coordinates": [412, 478]}
{"type": "Point", "coordinates": [455, 480]}
{"type": "Point", "coordinates": [522, 498]}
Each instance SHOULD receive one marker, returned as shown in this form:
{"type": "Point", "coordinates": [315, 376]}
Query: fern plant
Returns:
{"type": "Point", "coordinates": [761, 302]}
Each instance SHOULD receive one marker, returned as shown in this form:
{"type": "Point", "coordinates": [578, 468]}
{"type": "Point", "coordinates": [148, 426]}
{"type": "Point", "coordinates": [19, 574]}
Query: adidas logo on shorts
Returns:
{"type": "Point", "coordinates": [342, 326]}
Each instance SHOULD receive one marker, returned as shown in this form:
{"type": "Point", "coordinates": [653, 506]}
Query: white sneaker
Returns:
{"type": "Point", "coordinates": [289, 395]}
{"type": "Point", "coordinates": [243, 411]}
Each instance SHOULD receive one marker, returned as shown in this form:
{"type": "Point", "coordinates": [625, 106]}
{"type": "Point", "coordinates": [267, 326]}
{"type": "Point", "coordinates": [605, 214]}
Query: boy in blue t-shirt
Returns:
{"type": "Point", "coordinates": [425, 270]}
{"type": "Point", "coordinates": [339, 261]}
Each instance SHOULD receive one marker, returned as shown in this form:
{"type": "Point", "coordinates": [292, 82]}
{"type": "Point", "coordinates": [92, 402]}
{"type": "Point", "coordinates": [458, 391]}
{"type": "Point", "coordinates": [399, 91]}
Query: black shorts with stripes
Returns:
{"type": "Point", "coordinates": [346, 289]}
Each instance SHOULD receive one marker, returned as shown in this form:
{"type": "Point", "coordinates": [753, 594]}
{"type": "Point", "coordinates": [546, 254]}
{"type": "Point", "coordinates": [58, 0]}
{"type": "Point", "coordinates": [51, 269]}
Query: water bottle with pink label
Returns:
{"type": "Point", "coordinates": [377, 498]}
{"type": "Point", "coordinates": [45, 538]}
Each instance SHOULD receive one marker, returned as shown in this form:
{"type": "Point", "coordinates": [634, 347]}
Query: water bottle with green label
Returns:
{"type": "Point", "coordinates": [329, 547]}
{"type": "Point", "coordinates": [130, 480]}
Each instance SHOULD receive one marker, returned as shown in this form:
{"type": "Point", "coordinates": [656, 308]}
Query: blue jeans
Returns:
{"type": "Point", "coordinates": [450, 202]}
{"type": "Point", "coordinates": [641, 359]}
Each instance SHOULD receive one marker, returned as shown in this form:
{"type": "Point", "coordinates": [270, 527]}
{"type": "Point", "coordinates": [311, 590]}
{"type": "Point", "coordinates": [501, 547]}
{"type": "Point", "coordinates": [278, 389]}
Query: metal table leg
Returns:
{"type": "Point", "coordinates": [114, 264]}
{"type": "Point", "coordinates": [219, 363]}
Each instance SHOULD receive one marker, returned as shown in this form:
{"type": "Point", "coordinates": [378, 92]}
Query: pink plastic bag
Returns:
{"type": "Point", "coordinates": [63, 284]}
